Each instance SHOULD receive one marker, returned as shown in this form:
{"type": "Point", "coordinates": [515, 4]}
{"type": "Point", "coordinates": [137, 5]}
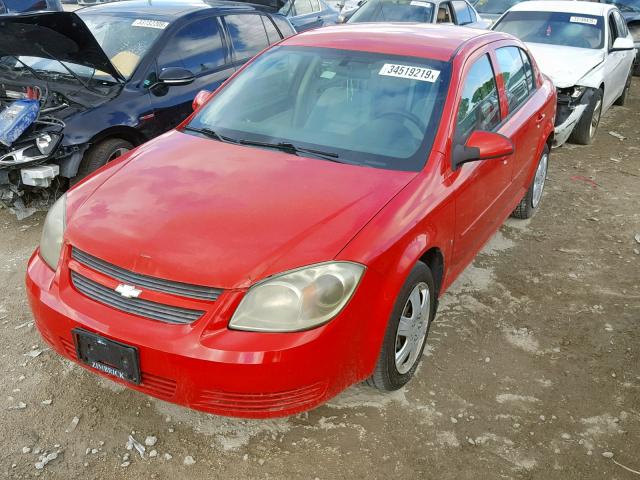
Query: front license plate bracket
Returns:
{"type": "Point", "coordinates": [108, 356]}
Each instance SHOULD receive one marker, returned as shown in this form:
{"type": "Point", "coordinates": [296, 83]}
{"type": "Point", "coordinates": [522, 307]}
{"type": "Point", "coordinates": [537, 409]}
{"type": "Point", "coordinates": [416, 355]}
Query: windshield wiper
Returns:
{"type": "Point", "coordinates": [294, 149]}
{"type": "Point", "coordinates": [207, 132]}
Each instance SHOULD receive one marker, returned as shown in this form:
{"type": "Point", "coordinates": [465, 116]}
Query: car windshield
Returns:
{"type": "Point", "coordinates": [360, 108]}
{"type": "Point", "coordinates": [494, 7]}
{"type": "Point", "coordinates": [555, 28]}
{"type": "Point", "coordinates": [625, 5]}
{"type": "Point", "coordinates": [394, 11]}
{"type": "Point", "coordinates": [125, 39]}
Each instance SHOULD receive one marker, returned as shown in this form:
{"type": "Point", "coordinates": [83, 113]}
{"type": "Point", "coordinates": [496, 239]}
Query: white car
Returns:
{"type": "Point", "coordinates": [587, 51]}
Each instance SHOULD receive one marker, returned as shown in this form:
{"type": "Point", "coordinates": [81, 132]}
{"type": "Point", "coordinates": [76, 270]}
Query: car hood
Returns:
{"type": "Point", "coordinates": [565, 65]}
{"type": "Point", "coordinates": [54, 35]}
{"type": "Point", "coordinates": [194, 210]}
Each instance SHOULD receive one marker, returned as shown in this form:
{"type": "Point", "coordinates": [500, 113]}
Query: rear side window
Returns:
{"type": "Point", "coordinates": [284, 26]}
{"type": "Point", "coordinates": [621, 24]}
{"type": "Point", "coordinates": [479, 106]}
{"type": "Point", "coordinates": [197, 47]}
{"type": "Point", "coordinates": [514, 75]}
{"type": "Point", "coordinates": [463, 16]}
{"type": "Point", "coordinates": [247, 34]}
{"type": "Point", "coordinates": [272, 32]}
{"type": "Point", "coordinates": [528, 70]}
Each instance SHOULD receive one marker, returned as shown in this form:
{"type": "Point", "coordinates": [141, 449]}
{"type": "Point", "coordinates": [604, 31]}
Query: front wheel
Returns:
{"type": "Point", "coordinates": [531, 200]}
{"type": "Point", "coordinates": [587, 127]}
{"type": "Point", "coordinates": [407, 331]}
{"type": "Point", "coordinates": [99, 155]}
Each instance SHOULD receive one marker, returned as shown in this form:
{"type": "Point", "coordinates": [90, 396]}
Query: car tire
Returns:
{"type": "Point", "coordinates": [587, 127]}
{"type": "Point", "coordinates": [391, 373]}
{"type": "Point", "coordinates": [99, 155]}
{"type": "Point", "coordinates": [622, 99]}
{"type": "Point", "coordinates": [531, 201]}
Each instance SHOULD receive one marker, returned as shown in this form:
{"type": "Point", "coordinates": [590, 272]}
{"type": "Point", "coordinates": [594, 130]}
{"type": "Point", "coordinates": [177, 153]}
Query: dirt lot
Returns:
{"type": "Point", "coordinates": [532, 369]}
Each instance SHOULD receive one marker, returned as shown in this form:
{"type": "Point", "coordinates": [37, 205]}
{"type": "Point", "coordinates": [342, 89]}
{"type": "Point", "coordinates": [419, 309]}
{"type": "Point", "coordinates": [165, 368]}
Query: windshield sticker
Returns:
{"type": "Point", "coordinates": [407, 71]}
{"type": "Point", "coordinates": [150, 24]}
{"type": "Point", "coordinates": [416, 3]}
{"type": "Point", "coordinates": [585, 20]}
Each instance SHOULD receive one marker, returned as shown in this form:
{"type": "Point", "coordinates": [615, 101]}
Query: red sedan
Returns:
{"type": "Point", "coordinates": [293, 236]}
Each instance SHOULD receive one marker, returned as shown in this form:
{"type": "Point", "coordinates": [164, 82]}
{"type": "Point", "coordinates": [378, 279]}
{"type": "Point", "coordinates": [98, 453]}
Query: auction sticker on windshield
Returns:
{"type": "Point", "coordinates": [585, 20]}
{"type": "Point", "coordinates": [150, 24]}
{"type": "Point", "coordinates": [407, 71]}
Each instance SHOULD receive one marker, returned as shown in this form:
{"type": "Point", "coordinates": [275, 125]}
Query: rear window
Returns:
{"type": "Point", "coordinates": [566, 29]}
{"type": "Point", "coordinates": [284, 26]}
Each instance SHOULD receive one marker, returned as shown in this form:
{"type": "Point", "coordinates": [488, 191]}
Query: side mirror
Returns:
{"type": "Point", "coordinates": [481, 145]}
{"type": "Point", "coordinates": [622, 44]}
{"type": "Point", "coordinates": [175, 76]}
{"type": "Point", "coordinates": [200, 99]}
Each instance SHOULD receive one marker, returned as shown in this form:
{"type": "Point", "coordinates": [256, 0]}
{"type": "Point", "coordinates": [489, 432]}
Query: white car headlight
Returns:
{"type": "Point", "coordinates": [52, 233]}
{"type": "Point", "coordinates": [299, 299]}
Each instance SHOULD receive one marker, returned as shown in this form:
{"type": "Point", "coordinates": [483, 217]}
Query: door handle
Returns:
{"type": "Point", "coordinates": [540, 118]}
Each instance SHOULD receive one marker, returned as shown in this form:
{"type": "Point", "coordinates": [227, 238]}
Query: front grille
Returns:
{"type": "Point", "coordinates": [136, 306]}
{"type": "Point", "coordinates": [139, 280]}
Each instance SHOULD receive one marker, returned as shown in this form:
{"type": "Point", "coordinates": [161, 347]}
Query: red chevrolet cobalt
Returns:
{"type": "Point", "coordinates": [293, 236]}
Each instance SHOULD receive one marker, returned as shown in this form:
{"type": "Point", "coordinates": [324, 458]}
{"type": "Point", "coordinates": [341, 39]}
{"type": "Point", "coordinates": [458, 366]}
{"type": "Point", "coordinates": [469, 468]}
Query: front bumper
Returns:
{"type": "Point", "coordinates": [564, 129]}
{"type": "Point", "coordinates": [203, 366]}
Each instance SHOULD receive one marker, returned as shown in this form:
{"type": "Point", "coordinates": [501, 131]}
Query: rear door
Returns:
{"type": "Point", "coordinates": [523, 108]}
{"type": "Point", "coordinates": [307, 15]}
{"type": "Point", "coordinates": [617, 64]}
{"type": "Point", "coordinates": [481, 186]}
{"type": "Point", "coordinates": [200, 47]}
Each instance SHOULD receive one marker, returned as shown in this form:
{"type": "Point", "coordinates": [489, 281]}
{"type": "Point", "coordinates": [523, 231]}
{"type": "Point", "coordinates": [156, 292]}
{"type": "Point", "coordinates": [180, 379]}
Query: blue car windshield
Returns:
{"type": "Point", "coordinates": [394, 11]}
{"type": "Point", "coordinates": [555, 28]}
{"type": "Point", "coordinates": [627, 6]}
{"type": "Point", "coordinates": [364, 108]}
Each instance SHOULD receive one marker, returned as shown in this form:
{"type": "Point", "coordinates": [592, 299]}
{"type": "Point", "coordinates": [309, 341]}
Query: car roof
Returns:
{"type": "Point", "coordinates": [169, 9]}
{"type": "Point", "coordinates": [587, 8]}
{"type": "Point", "coordinates": [438, 42]}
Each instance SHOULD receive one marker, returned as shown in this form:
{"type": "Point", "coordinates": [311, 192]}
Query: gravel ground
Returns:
{"type": "Point", "coordinates": [532, 369]}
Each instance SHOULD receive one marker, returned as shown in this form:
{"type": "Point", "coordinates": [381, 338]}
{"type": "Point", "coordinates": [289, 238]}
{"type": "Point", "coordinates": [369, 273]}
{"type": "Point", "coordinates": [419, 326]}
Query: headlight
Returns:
{"type": "Point", "coordinates": [298, 300]}
{"type": "Point", "coordinates": [52, 232]}
{"type": "Point", "coordinates": [577, 92]}
{"type": "Point", "coordinates": [46, 143]}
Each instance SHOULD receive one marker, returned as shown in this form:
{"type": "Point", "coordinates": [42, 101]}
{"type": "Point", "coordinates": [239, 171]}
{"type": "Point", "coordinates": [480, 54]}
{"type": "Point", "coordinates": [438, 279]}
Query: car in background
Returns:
{"type": "Point", "coordinates": [493, 9]}
{"type": "Point", "coordinates": [88, 3]}
{"type": "Point", "coordinates": [455, 12]}
{"type": "Point", "coordinates": [630, 10]}
{"type": "Point", "coordinates": [308, 14]}
{"type": "Point", "coordinates": [23, 6]}
{"type": "Point", "coordinates": [112, 77]}
{"type": "Point", "coordinates": [237, 264]}
{"type": "Point", "coordinates": [588, 52]}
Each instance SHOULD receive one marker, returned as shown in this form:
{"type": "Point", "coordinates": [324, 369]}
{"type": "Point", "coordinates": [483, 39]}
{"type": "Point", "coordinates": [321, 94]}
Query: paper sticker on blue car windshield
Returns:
{"type": "Point", "coordinates": [150, 24]}
{"type": "Point", "coordinates": [407, 71]}
{"type": "Point", "coordinates": [585, 20]}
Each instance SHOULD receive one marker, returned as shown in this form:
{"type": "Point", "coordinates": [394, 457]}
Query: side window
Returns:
{"type": "Point", "coordinates": [479, 106]}
{"type": "Point", "coordinates": [288, 9]}
{"type": "Point", "coordinates": [613, 34]}
{"type": "Point", "coordinates": [528, 70]}
{"type": "Point", "coordinates": [284, 26]}
{"type": "Point", "coordinates": [197, 47]}
{"type": "Point", "coordinates": [303, 7]}
{"type": "Point", "coordinates": [247, 34]}
{"type": "Point", "coordinates": [463, 17]}
{"type": "Point", "coordinates": [472, 14]}
{"type": "Point", "coordinates": [514, 76]}
{"type": "Point", "coordinates": [621, 25]}
{"type": "Point", "coordinates": [316, 5]}
{"type": "Point", "coordinates": [3, 9]}
{"type": "Point", "coordinates": [444, 14]}
{"type": "Point", "coordinates": [272, 32]}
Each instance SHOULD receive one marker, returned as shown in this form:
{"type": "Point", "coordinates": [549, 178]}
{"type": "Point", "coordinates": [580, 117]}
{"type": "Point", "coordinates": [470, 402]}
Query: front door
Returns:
{"type": "Point", "coordinates": [199, 47]}
{"type": "Point", "coordinates": [481, 187]}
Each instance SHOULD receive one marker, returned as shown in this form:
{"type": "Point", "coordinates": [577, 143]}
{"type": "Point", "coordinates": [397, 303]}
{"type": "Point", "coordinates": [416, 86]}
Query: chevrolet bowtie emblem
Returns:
{"type": "Point", "coordinates": [128, 291]}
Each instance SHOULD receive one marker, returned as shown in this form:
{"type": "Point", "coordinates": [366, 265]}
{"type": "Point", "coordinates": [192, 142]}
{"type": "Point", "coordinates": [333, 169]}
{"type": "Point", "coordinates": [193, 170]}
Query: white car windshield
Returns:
{"type": "Point", "coordinates": [555, 28]}
{"type": "Point", "coordinates": [394, 11]}
{"type": "Point", "coordinates": [362, 108]}
{"type": "Point", "coordinates": [494, 7]}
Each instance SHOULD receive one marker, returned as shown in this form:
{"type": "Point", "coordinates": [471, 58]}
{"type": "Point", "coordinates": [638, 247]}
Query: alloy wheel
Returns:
{"type": "Point", "coordinates": [539, 180]}
{"type": "Point", "coordinates": [595, 119]}
{"type": "Point", "coordinates": [412, 329]}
